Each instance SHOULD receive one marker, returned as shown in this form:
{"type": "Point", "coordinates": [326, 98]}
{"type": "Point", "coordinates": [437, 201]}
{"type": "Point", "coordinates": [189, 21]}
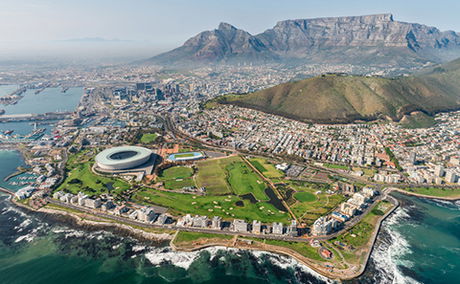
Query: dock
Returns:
{"type": "Point", "coordinates": [7, 191]}
{"type": "Point", "coordinates": [33, 117]}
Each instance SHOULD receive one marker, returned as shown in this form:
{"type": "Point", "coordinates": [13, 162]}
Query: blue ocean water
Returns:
{"type": "Point", "coordinates": [49, 100]}
{"type": "Point", "coordinates": [9, 162]}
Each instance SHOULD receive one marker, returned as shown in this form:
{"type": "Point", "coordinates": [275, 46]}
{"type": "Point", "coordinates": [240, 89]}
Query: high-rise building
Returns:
{"type": "Point", "coordinates": [451, 176]}
{"type": "Point", "coordinates": [239, 226]}
{"type": "Point", "coordinates": [256, 227]}
{"type": "Point", "coordinates": [277, 228]}
{"type": "Point", "coordinates": [216, 223]}
{"type": "Point", "coordinates": [439, 171]}
{"type": "Point", "coordinates": [413, 158]}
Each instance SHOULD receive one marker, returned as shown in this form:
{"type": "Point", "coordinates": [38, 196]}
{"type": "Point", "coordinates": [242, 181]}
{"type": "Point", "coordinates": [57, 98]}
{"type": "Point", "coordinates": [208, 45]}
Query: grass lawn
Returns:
{"type": "Point", "coordinates": [309, 210]}
{"type": "Point", "coordinates": [177, 177]}
{"type": "Point", "coordinates": [305, 196]}
{"type": "Point", "coordinates": [435, 191]}
{"type": "Point", "coordinates": [267, 169]}
{"type": "Point", "coordinates": [303, 248]}
{"type": "Point", "coordinates": [335, 166]}
{"type": "Point", "coordinates": [183, 237]}
{"type": "Point", "coordinates": [212, 175]}
{"type": "Point", "coordinates": [243, 180]}
{"type": "Point", "coordinates": [361, 233]}
{"type": "Point", "coordinates": [177, 172]}
{"type": "Point", "coordinates": [223, 206]}
{"type": "Point", "coordinates": [366, 171]}
{"type": "Point", "coordinates": [148, 138]}
{"type": "Point", "coordinates": [179, 183]}
{"type": "Point", "coordinates": [81, 178]}
{"type": "Point", "coordinates": [185, 155]}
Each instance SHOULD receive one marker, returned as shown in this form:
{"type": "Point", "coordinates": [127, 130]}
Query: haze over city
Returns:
{"type": "Point", "coordinates": [127, 30]}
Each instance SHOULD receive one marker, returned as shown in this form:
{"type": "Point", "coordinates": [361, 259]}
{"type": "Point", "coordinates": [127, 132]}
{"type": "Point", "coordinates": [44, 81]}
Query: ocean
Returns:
{"type": "Point", "coordinates": [49, 100]}
{"type": "Point", "coordinates": [419, 243]}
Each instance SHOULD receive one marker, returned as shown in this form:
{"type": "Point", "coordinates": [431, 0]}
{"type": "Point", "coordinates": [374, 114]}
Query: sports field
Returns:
{"type": "Point", "coordinates": [177, 177]}
{"type": "Point", "coordinates": [266, 168]}
{"type": "Point", "coordinates": [148, 138]}
{"type": "Point", "coordinates": [213, 176]}
{"type": "Point", "coordinates": [176, 173]}
{"type": "Point", "coordinates": [185, 155]}
{"type": "Point", "coordinates": [304, 196]}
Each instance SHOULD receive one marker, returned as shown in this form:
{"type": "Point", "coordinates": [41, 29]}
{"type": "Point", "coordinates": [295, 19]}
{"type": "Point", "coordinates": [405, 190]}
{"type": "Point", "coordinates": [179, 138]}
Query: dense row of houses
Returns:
{"type": "Point", "coordinates": [143, 214]}
{"type": "Point", "coordinates": [238, 225]}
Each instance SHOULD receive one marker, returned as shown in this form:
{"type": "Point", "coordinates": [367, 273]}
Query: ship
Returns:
{"type": "Point", "coordinates": [8, 132]}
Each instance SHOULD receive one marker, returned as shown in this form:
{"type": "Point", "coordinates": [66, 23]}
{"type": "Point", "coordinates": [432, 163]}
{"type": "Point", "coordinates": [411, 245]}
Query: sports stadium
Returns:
{"type": "Point", "coordinates": [122, 158]}
{"type": "Point", "coordinates": [186, 156]}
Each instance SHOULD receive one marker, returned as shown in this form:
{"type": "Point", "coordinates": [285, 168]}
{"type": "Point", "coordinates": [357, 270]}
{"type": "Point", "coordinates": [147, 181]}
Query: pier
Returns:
{"type": "Point", "coordinates": [4, 190]}
{"type": "Point", "coordinates": [13, 97]}
{"type": "Point", "coordinates": [33, 117]}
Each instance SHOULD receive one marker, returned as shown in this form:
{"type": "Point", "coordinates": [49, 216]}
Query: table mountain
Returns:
{"type": "Point", "coordinates": [357, 40]}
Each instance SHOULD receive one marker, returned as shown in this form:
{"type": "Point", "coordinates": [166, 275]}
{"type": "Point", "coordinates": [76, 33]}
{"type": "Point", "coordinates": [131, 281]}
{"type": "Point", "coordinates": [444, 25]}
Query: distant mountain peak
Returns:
{"type": "Point", "coordinates": [226, 26]}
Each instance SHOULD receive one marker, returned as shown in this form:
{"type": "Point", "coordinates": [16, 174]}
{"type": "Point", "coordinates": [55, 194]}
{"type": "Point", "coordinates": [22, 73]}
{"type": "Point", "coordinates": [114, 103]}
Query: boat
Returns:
{"type": "Point", "coordinates": [8, 132]}
{"type": "Point", "coordinates": [2, 111]}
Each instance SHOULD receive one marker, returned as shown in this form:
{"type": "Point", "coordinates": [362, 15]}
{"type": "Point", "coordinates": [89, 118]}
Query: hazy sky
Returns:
{"type": "Point", "coordinates": [168, 23]}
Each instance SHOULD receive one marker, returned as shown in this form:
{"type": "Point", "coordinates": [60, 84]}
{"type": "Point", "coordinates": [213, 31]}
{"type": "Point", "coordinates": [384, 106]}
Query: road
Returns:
{"type": "Point", "coordinates": [272, 186]}
{"type": "Point", "coordinates": [120, 219]}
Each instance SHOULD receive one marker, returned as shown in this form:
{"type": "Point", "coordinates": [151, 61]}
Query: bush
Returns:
{"type": "Point", "coordinates": [378, 212]}
{"type": "Point", "coordinates": [75, 181]}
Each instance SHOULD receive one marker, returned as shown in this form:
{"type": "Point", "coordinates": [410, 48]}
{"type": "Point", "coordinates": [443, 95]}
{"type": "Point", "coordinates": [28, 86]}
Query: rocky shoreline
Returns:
{"type": "Point", "coordinates": [87, 221]}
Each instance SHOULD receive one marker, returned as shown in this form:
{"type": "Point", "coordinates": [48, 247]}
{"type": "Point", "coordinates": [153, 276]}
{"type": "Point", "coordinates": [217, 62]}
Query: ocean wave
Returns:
{"type": "Point", "coordinates": [138, 248]}
{"type": "Point", "coordinates": [445, 203]}
{"type": "Point", "coordinates": [158, 257]}
{"type": "Point", "coordinates": [23, 225]}
{"type": "Point", "coordinates": [31, 235]}
{"type": "Point", "coordinates": [286, 262]}
{"type": "Point", "coordinates": [392, 247]}
{"type": "Point", "coordinates": [70, 233]}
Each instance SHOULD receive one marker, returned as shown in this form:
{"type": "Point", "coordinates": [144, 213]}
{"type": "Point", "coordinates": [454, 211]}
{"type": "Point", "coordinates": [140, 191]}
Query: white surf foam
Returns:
{"type": "Point", "coordinates": [388, 254]}
{"type": "Point", "coordinates": [160, 256]}
{"type": "Point", "coordinates": [179, 259]}
{"type": "Point", "coordinates": [23, 225]}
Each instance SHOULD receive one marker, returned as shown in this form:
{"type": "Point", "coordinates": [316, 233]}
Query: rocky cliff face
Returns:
{"type": "Point", "coordinates": [222, 44]}
{"type": "Point", "coordinates": [323, 39]}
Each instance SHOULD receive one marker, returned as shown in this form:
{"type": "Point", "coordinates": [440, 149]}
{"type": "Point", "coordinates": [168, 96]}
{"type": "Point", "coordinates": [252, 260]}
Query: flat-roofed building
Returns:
{"type": "Point", "coordinates": [256, 227]}
{"type": "Point", "coordinates": [239, 225]}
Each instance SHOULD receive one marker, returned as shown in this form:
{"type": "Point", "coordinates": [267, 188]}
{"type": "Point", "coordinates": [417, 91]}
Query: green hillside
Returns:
{"type": "Point", "coordinates": [337, 98]}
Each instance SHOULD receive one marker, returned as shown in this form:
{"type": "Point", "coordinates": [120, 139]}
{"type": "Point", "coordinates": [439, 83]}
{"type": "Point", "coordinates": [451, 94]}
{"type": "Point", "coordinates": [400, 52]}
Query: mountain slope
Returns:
{"type": "Point", "coordinates": [226, 43]}
{"type": "Point", "coordinates": [358, 40]}
{"type": "Point", "coordinates": [338, 99]}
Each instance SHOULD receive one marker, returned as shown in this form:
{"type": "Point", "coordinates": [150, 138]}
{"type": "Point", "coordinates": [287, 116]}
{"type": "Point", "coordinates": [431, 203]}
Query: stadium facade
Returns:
{"type": "Point", "coordinates": [122, 158]}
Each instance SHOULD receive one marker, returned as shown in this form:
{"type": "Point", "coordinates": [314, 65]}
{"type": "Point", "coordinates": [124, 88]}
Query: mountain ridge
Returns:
{"type": "Point", "coordinates": [343, 98]}
{"type": "Point", "coordinates": [351, 39]}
